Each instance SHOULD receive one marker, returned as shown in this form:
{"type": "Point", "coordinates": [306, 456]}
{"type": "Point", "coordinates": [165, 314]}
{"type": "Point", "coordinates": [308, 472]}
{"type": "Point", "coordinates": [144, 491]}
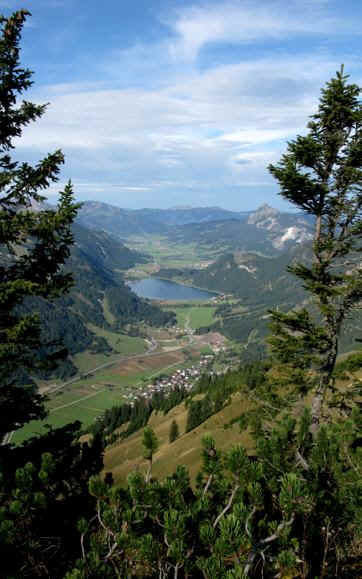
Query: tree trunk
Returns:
{"type": "Point", "coordinates": [148, 475]}
{"type": "Point", "coordinates": [317, 403]}
{"type": "Point", "coordinates": [324, 382]}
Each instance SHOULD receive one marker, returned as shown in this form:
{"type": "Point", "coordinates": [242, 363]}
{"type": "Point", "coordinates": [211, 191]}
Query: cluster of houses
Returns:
{"type": "Point", "coordinates": [220, 298]}
{"type": "Point", "coordinates": [184, 378]}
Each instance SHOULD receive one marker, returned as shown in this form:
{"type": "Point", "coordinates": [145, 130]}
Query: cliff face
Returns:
{"type": "Point", "coordinates": [282, 229]}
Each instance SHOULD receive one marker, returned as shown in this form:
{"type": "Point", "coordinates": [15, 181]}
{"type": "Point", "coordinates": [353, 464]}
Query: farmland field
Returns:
{"type": "Point", "coordinates": [167, 254]}
{"type": "Point", "coordinates": [121, 344]}
{"type": "Point", "coordinates": [87, 398]}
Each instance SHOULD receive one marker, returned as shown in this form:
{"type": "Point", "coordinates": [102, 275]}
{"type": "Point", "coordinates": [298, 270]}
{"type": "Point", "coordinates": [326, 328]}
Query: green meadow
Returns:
{"type": "Point", "coordinates": [86, 399]}
{"type": "Point", "coordinates": [195, 315]}
{"type": "Point", "coordinates": [168, 254]}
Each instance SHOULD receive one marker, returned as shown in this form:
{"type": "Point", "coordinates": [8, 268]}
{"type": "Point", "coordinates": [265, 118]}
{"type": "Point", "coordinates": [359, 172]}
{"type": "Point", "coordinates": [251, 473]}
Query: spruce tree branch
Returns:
{"type": "Point", "coordinates": [176, 569]}
{"type": "Point", "coordinates": [82, 545]}
{"type": "Point", "coordinates": [83, 536]}
{"type": "Point", "coordinates": [111, 551]}
{"type": "Point", "coordinates": [351, 463]}
{"type": "Point", "coordinates": [249, 562]}
{"type": "Point", "coordinates": [272, 465]}
{"type": "Point", "coordinates": [325, 551]}
{"type": "Point", "coordinates": [157, 519]}
{"type": "Point", "coordinates": [107, 529]}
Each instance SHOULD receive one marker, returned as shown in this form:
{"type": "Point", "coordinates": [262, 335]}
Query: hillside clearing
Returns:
{"type": "Point", "coordinates": [122, 458]}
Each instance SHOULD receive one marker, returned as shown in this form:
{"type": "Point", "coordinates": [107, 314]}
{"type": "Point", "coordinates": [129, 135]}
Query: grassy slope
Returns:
{"type": "Point", "coordinates": [122, 458]}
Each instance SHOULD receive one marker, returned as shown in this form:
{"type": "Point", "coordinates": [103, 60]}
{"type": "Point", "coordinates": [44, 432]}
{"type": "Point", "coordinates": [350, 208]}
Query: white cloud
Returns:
{"type": "Point", "coordinates": [213, 129]}
{"type": "Point", "coordinates": [230, 100]}
{"type": "Point", "coordinates": [244, 22]}
{"type": "Point", "coordinates": [157, 122]}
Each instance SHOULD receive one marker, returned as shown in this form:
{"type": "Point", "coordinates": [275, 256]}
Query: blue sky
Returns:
{"type": "Point", "coordinates": [160, 103]}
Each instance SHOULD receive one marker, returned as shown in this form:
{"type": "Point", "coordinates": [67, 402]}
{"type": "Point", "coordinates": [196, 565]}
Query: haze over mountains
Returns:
{"type": "Point", "coordinates": [125, 222]}
{"type": "Point", "coordinates": [265, 230]}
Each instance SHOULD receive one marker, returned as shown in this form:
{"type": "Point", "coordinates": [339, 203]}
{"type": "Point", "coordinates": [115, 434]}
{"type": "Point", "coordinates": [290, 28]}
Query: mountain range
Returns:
{"type": "Point", "coordinates": [254, 250]}
{"type": "Point", "coordinates": [266, 230]}
{"type": "Point", "coordinates": [126, 222]}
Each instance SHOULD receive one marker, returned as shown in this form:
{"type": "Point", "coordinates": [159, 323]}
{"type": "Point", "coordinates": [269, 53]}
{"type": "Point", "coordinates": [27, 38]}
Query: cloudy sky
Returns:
{"type": "Point", "coordinates": [160, 103]}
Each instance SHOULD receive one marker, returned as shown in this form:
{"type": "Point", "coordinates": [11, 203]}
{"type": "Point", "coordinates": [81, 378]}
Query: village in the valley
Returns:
{"type": "Point", "coordinates": [182, 378]}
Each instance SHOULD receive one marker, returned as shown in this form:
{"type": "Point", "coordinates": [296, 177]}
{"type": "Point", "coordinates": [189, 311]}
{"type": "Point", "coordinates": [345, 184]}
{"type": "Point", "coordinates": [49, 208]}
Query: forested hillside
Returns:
{"type": "Point", "coordinates": [265, 230]}
{"type": "Point", "coordinates": [259, 283]}
{"type": "Point", "coordinates": [97, 261]}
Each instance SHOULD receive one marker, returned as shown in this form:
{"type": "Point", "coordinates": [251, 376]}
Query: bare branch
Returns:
{"type": "Point", "coordinates": [227, 507]}
{"type": "Point", "coordinates": [280, 528]}
{"type": "Point", "coordinates": [206, 487]}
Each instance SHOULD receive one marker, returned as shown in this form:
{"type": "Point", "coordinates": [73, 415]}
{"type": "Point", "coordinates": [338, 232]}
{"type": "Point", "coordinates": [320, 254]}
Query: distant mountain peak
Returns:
{"type": "Point", "coordinates": [262, 214]}
{"type": "Point", "coordinates": [267, 209]}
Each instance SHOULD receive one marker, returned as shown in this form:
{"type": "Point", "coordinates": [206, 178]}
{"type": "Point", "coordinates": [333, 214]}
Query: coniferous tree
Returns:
{"type": "Point", "coordinates": [34, 244]}
{"type": "Point", "coordinates": [174, 431]}
{"type": "Point", "coordinates": [321, 174]}
{"type": "Point", "coordinates": [150, 446]}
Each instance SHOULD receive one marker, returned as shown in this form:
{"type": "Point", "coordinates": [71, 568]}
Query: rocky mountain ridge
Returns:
{"type": "Point", "coordinates": [282, 227]}
{"type": "Point", "coordinates": [265, 230]}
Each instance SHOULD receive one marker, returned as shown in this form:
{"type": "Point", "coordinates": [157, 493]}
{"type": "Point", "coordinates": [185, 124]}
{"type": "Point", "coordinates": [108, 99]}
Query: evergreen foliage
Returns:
{"type": "Point", "coordinates": [259, 516]}
{"type": "Point", "coordinates": [150, 445]}
{"type": "Point", "coordinates": [321, 174]}
{"type": "Point", "coordinates": [174, 431]}
{"type": "Point", "coordinates": [42, 483]}
{"type": "Point", "coordinates": [43, 493]}
{"type": "Point", "coordinates": [35, 243]}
